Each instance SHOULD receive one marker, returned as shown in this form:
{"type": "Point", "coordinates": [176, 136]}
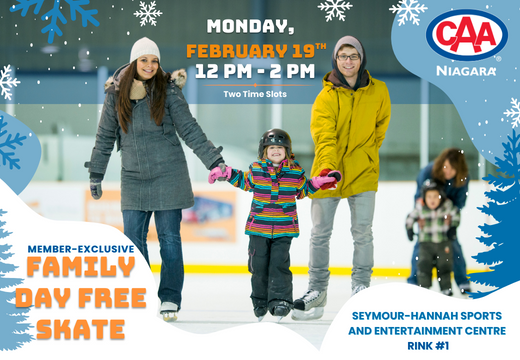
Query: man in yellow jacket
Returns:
{"type": "Point", "coordinates": [348, 125]}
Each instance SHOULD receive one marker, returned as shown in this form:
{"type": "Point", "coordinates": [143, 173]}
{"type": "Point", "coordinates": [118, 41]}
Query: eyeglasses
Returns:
{"type": "Point", "coordinates": [345, 57]}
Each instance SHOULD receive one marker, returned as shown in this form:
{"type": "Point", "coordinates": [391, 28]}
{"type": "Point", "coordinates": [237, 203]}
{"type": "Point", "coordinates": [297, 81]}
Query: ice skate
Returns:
{"type": "Point", "coordinates": [310, 306]}
{"type": "Point", "coordinates": [357, 289]}
{"type": "Point", "coordinates": [169, 311]}
{"type": "Point", "coordinates": [447, 292]}
{"type": "Point", "coordinates": [464, 289]}
{"type": "Point", "coordinates": [312, 314]}
{"type": "Point", "coordinates": [260, 312]}
{"type": "Point", "coordinates": [281, 310]}
{"type": "Point", "coordinates": [278, 319]}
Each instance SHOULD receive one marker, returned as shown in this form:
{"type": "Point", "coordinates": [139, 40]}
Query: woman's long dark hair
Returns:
{"type": "Point", "coordinates": [155, 88]}
{"type": "Point", "coordinates": [457, 161]}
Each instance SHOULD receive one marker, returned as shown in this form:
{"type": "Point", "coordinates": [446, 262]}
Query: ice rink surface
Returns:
{"type": "Point", "coordinates": [216, 302]}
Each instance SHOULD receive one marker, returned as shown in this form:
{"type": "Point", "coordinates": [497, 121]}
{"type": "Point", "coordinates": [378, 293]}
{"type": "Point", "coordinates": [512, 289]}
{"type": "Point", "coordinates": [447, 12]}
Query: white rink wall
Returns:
{"type": "Point", "coordinates": [65, 201]}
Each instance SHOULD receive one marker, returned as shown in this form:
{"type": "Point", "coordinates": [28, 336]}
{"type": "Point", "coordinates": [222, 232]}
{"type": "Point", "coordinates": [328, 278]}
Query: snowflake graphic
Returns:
{"type": "Point", "coordinates": [6, 80]}
{"type": "Point", "coordinates": [514, 112]}
{"type": "Point", "coordinates": [406, 9]}
{"type": "Point", "coordinates": [55, 14]}
{"type": "Point", "coordinates": [338, 6]}
{"type": "Point", "coordinates": [147, 13]}
{"type": "Point", "coordinates": [8, 156]}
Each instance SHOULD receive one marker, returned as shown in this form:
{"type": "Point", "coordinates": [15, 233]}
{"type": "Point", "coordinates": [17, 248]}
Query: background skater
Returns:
{"type": "Point", "coordinates": [440, 219]}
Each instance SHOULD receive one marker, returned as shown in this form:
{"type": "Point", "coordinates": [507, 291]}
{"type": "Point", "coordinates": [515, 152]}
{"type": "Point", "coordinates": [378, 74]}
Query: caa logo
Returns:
{"type": "Point", "coordinates": [466, 35]}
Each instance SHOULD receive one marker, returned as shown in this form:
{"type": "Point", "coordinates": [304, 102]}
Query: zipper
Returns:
{"type": "Point", "coordinates": [251, 260]}
{"type": "Point", "coordinates": [252, 221]}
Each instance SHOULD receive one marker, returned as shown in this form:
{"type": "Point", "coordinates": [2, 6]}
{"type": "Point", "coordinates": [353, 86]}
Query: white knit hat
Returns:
{"type": "Point", "coordinates": [144, 46]}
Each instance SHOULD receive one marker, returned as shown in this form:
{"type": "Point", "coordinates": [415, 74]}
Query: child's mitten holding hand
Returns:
{"type": "Point", "coordinates": [333, 174]}
{"type": "Point", "coordinates": [319, 181]}
{"type": "Point", "coordinates": [220, 173]}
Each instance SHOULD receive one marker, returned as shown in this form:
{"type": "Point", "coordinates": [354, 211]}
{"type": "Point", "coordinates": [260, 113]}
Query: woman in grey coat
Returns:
{"type": "Point", "coordinates": [144, 110]}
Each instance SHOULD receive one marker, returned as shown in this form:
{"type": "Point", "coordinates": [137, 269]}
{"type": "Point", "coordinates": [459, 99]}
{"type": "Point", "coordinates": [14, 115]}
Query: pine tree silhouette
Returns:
{"type": "Point", "coordinates": [502, 237]}
{"type": "Point", "coordinates": [12, 326]}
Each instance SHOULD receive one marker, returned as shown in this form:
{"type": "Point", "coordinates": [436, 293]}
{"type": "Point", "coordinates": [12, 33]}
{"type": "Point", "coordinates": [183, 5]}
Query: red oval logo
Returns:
{"type": "Point", "coordinates": [466, 35]}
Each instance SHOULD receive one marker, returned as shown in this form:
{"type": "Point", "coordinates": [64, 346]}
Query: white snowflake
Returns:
{"type": "Point", "coordinates": [6, 80]}
{"type": "Point", "coordinates": [55, 14]}
{"type": "Point", "coordinates": [339, 7]}
{"type": "Point", "coordinates": [514, 112]}
{"type": "Point", "coordinates": [147, 13]}
{"type": "Point", "coordinates": [406, 9]}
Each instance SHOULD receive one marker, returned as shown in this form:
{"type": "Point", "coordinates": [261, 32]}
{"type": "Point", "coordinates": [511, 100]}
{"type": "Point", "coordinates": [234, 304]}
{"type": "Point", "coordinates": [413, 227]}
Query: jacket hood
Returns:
{"type": "Point", "coordinates": [116, 78]}
{"type": "Point", "coordinates": [178, 77]}
{"type": "Point", "coordinates": [349, 40]}
{"type": "Point", "coordinates": [330, 79]}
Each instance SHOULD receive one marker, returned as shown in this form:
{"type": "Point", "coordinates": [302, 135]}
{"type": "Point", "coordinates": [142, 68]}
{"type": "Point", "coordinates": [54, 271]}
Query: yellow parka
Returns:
{"type": "Point", "coordinates": [348, 128]}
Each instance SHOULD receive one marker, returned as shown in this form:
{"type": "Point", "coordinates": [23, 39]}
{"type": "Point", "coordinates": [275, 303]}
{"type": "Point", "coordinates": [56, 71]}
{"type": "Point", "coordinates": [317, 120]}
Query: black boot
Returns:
{"type": "Point", "coordinates": [260, 312]}
{"type": "Point", "coordinates": [280, 308]}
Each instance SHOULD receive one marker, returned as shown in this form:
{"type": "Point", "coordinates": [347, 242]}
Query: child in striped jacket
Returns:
{"type": "Point", "coordinates": [276, 181]}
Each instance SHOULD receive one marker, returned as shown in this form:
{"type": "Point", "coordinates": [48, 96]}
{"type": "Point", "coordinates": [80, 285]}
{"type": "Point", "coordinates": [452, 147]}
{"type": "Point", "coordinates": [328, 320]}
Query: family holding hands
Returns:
{"type": "Point", "coordinates": [144, 113]}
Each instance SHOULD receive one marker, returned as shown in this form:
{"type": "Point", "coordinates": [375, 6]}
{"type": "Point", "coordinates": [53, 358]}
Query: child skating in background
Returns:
{"type": "Point", "coordinates": [276, 181]}
{"type": "Point", "coordinates": [438, 219]}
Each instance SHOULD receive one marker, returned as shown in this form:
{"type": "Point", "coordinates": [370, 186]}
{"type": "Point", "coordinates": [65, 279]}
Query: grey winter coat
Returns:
{"type": "Point", "coordinates": [154, 173]}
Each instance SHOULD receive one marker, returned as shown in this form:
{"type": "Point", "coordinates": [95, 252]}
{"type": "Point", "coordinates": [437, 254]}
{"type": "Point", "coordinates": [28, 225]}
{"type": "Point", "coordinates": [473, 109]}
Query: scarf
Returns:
{"type": "Point", "coordinates": [138, 90]}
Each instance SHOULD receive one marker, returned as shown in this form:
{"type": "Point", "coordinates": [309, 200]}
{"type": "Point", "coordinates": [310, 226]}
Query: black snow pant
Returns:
{"type": "Point", "coordinates": [271, 279]}
{"type": "Point", "coordinates": [438, 255]}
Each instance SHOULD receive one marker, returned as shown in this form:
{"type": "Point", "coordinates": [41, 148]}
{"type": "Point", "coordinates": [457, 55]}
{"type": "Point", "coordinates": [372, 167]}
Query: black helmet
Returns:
{"type": "Point", "coordinates": [432, 185]}
{"type": "Point", "coordinates": [274, 137]}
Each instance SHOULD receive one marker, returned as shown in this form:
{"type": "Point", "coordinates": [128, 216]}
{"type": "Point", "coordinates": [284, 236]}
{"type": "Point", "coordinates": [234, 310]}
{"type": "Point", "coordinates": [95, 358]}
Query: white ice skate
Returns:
{"type": "Point", "coordinates": [312, 314]}
{"type": "Point", "coordinates": [357, 289]}
{"type": "Point", "coordinates": [169, 311]}
{"type": "Point", "coordinates": [310, 306]}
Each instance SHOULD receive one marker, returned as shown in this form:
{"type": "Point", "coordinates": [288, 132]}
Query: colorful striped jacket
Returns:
{"type": "Point", "coordinates": [273, 210]}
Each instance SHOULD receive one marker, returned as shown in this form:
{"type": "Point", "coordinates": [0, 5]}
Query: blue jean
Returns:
{"type": "Point", "coordinates": [361, 214]}
{"type": "Point", "coordinates": [459, 264]}
{"type": "Point", "coordinates": [168, 225]}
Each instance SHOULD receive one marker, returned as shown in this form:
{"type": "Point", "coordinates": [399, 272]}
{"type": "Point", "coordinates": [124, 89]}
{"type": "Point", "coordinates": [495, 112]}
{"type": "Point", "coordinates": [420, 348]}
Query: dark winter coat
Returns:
{"type": "Point", "coordinates": [154, 173]}
{"type": "Point", "coordinates": [456, 194]}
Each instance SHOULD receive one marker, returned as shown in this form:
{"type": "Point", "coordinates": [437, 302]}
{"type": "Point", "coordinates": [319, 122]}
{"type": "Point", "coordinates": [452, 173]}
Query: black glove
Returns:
{"type": "Point", "coordinates": [410, 234]}
{"type": "Point", "coordinates": [452, 233]}
{"type": "Point", "coordinates": [95, 188]}
{"type": "Point", "coordinates": [335, 174]}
